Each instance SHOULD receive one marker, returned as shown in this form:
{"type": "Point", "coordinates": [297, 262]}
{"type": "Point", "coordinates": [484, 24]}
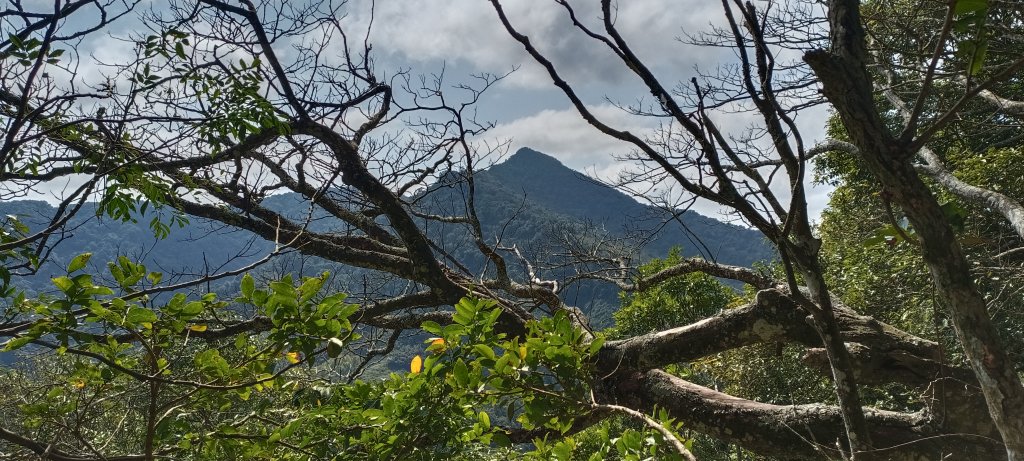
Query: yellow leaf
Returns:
{"type": "Point", "coordinates": [417, 364]}
{"type": "Point", "coordinates": [522, 352]}
{"type": "Point", "coordinates": [293, 357]}
{"type": "Point", "coordinates": [436, 346]}
{"type": "Point", "coordinates": [199, 328]}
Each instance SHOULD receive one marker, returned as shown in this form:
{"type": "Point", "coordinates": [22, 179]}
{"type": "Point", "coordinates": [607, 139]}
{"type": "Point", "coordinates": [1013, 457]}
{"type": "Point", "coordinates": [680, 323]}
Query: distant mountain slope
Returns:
{"type": "Point", "coordinates": [545, 181]}
{"type": "Point", "coordinates": [543, 196]}
{"type": "Point", "coordinates": [199, 247]}
{"type": "Point", "coordinates": [562, 191]}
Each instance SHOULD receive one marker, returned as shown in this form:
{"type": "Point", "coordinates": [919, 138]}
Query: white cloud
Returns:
{"type": "Point", "coordinates": [564, 135]}
{"type": "Point", "coordinates": [468, 32]}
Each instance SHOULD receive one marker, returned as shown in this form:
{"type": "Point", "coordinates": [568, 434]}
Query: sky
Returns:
{"type": "Point", "coordinates": [465, 37]}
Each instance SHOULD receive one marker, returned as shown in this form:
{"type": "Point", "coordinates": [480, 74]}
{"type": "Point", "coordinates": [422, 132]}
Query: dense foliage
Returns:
{"type": "Point", "coordinates": [371, 233]}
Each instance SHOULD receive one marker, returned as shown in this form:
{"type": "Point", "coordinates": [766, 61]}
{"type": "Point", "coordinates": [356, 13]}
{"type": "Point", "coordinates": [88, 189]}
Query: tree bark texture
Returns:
{"type": "Point", "coordinates": [955, 421]}
{"type": "Point", "coordinates": [848, 86]}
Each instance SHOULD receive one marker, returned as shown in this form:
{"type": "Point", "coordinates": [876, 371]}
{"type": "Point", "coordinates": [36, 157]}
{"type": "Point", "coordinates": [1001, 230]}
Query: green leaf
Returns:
{"type": "Point", "coordinates": [241, 341]}
{"type": "Point", "coordinates": [465, 310]}
{"type": "Point", "coordinates": [101, 312]}
{"type": "Point", "coordinates": [969, 6]}
{"type": "Point", "coordinates": [211, 363]}
{"type": "Point", "coordinates": [501, 366]}
{"type": "Point", "coordinates": [97, 291]}
{"type": "Point", "coordinates": [561, 451]}
{"type": "Point", "coordinates": [63, 284]}
{"type": "Point", "coordinates": [501, 439]}
{"type": "Point", "coordinates": [484, 350]}
{"type": "Point", "coordinates": [16, 343]}
{"type": "Point", "coordinates": [137, 315]}
{"type": "Point", "coordinates": [283, 288]}
{"type": "Point", "coordinates": [461, 372]}
{"type": "Point", "coordinates": [82, 280]}
{"type": "Point", "coordinates": [16, 41]}
{"type": "Point", "coordinates": [79, 262]}
{"type": "Point", "coordinates": [192, 309]}
{"type": "Point", "coordinates": [248, 285]}
{"type": "Point", "coordinates": [462, 319]}
{"type": "Point", "coordinates": [431, 326]}
{"type": "Point", "coordinates": [309, 288]}
{"type": "Point", "coordinates": [452, 330]}
{"type": "Point", "coordinates": [978, 58]}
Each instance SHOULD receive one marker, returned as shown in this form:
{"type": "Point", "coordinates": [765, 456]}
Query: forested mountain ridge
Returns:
{"type": "Point", "coordinates": [554, 187]}
{"type": "Point", "coordinates": [525, 200]}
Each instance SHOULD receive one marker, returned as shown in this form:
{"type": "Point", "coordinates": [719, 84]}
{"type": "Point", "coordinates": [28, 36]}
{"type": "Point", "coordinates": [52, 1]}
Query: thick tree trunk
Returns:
{"type": "Point", "coordinates": [956, 290]}
{"type": "Point", "coordinates": [772, 317]}
{"type": "Point", "coordinates": [848, 85]}
{"type": "Point", "coordinates": [798, 432]}
{"type": "Point", "coordinates": [954, 422]}
{"type": "Point", "coordinates": [843, 83]}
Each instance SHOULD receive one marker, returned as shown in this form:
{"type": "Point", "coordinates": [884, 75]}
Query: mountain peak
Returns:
{"type": "Point", "coordinates": [548, 184]}
{"type": "Point", "coordinates": [543, 179]}
{"type": "Point", "coordinates": [532, 166]}
{"type": "Point", "coordinates": [529, 157]}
